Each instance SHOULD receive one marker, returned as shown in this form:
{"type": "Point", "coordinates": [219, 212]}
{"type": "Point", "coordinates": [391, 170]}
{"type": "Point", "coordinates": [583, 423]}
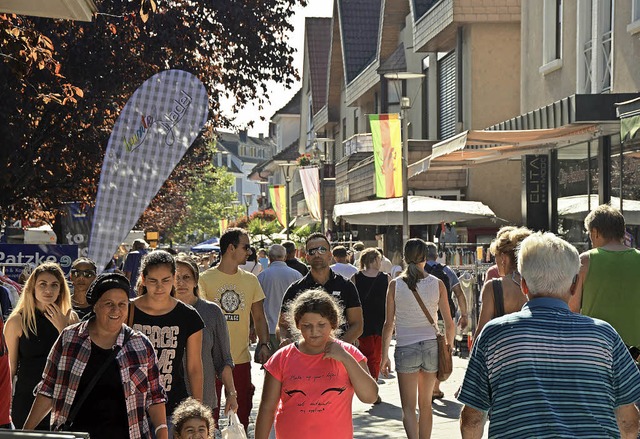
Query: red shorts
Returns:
{"type": "Point", "coordinates": [371, 347]}
{"type": "Point", "coordinates": [242, 381]}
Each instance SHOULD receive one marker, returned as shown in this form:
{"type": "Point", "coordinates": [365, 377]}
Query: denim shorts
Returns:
{"type": "Point", "coordinates": [421, 356]}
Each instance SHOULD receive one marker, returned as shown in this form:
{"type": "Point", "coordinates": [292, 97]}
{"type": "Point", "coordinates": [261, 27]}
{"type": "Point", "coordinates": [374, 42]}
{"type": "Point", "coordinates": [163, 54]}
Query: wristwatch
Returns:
{"type": "Point", "coordinates": [267, 344]}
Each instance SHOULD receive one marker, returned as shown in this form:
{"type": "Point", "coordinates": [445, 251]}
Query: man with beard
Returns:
{"type": "Point", "coordinates": [318, 257]}
{"type": "Point", "coordinates": [241, 298]}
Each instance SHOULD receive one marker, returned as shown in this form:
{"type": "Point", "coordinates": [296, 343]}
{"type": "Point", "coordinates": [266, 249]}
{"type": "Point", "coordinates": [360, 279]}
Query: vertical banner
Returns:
{"type": "Point", "coordinates": [224, 225]}
{"type": "Point", "coordinates": [278, 197]}
{"type": "Point", "coordinates": [387, 154]}
{"type": "Point", "coordinates": [535, 202]}
{"type": "Point", "coordinates": [310, 178]}
{"type": "Point", "coordinates": [156, 127]}
{"type": "Point", "coordinates": [73, 226]}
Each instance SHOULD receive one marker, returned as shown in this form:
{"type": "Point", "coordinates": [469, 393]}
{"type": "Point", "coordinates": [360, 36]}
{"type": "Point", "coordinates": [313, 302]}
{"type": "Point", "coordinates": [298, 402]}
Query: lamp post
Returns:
{"type": "Point", "coordinates": [288, 169]}
{"type": "Point", "coordinates": [405, 105]}
{"type": "Point", "coordinates": [248, 199]}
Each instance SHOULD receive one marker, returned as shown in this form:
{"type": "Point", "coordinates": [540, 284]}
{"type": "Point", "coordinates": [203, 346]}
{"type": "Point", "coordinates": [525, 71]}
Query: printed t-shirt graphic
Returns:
{"type": "Point", "coordinates": [234, 293]}
{"type": "Point", "coordinates": [168, 334]}
{"type": "Point", "coordinates": [316, 393]}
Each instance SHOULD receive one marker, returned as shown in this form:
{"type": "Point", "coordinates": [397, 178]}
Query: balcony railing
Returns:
{"type": "Point", "coordinates": [358, 143]}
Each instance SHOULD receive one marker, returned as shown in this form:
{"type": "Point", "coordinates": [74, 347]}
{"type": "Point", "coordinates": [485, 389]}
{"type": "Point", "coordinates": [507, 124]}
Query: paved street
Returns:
{"type": "Point", "coordinates": [385, 420]}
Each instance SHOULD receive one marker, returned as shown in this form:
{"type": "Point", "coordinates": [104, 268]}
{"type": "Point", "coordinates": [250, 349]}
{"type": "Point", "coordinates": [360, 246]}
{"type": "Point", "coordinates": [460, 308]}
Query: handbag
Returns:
{"type": "Point", "coordinates": [235, 429]}
{"type": "Point", "coordinates": [445, 353]}
{"type": "Point", "coordinates": [68, 425]}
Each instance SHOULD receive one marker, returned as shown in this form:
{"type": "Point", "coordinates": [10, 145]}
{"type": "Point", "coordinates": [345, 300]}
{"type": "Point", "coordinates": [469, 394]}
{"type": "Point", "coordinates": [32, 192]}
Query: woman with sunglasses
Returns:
{"type": "Point", "coordinates": [43, 311]}
{"type": "Point", "coordinates": [83, 272]}
{"type": "Point", "coordinates": [174, 328]}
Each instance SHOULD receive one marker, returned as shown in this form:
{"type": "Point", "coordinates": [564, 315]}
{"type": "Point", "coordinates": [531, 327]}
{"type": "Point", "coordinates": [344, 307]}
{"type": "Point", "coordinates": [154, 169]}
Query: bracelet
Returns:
{"type": "Point", "coordinates": [268, 345]}
{"type": "Point", "coordinates": [232, 393]}
{"type": "Point", "coordinates": [160, 427]}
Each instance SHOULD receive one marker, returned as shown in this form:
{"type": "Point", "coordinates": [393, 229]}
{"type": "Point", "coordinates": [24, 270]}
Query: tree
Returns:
{"type": "Point", "coordinates": [58, 109]}
{"type": "Point", "coordinates": [210, 200]}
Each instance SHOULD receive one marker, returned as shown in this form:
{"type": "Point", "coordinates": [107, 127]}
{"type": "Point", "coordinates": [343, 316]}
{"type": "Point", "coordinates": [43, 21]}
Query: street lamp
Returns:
{"type": "Point", "coordinates": [248, 199]}
{"type": "Point", "coordinates": [322, 158]}
{"type": "Point", "coordinates": [405, 105]}
{"type": "Point", "coordinates": [288, 170]}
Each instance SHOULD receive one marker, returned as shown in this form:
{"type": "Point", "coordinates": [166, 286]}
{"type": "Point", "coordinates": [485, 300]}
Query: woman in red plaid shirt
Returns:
{"type": "Point", "coordinates": [129, 388]}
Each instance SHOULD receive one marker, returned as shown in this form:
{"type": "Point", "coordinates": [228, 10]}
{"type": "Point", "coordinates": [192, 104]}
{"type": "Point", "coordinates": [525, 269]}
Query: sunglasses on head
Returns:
{"type": "Point", "coordinates": [319, 250]}
{"type": "Point", "coordinates": [83, 273]}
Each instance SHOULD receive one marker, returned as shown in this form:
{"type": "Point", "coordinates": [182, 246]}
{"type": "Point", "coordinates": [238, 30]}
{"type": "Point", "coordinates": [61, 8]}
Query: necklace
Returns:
{"type": "Point", "coordinates": [513, 278]}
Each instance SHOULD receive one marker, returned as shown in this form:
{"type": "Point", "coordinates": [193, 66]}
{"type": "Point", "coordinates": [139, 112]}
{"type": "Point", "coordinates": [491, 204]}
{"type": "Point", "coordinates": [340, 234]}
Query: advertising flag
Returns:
{"type": "Point", "coordinates": [310, 178]}
{"type": "Point", "coordinates": [278, 196]}
{"type": "Point", "coordinates": [156, 127]}
{"type": "Point", "coordinates": [387, 154]}
{"type": "Point", "coordinates": [224, 225]}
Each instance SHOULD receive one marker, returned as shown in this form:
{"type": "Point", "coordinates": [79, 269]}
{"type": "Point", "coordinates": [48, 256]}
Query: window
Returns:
{"type": "Point", "coordinates": [595, 46]}
{"type": "Point", "coordinates": [355, 122]}
{"type": "Point", "coordinates": [447, 96]}
{"type": "Point", "coordinates": [634, 26]}
{"type": "Point", "coordinates": [551, 36]}
{"type": "Point", "coordinates": [395, 91]}
{"type": "Point", "coordinates": [344, 129]}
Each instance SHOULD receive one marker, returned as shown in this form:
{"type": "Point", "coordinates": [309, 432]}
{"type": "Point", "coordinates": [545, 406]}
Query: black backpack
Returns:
{"type": "Point", "coordinates": [437, 270]}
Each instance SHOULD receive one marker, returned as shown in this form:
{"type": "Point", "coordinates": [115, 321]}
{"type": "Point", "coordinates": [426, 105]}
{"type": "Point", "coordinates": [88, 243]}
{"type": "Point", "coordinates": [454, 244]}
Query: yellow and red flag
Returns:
{"type": "Point", "coordinates": [224, 225]}
{"type": "Point", "coordinates": [279, 202]}
{"type": "Point", "coordinates": [387, 154]}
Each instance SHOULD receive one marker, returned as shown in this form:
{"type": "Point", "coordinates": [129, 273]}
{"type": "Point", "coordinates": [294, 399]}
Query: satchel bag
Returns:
{"type": "Point", "coordinates": [445, 353]}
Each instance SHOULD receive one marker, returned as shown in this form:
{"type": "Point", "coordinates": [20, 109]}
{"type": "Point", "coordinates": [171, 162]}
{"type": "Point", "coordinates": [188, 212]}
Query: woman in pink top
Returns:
{"type": "Point", "coordinates": [309, 385]}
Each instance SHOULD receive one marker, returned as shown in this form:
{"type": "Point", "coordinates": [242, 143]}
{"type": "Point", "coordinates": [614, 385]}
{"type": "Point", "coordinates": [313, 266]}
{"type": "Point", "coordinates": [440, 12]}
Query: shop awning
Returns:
{"type": "Point", "coordinates": [577, 207]}
{"type": "Point", "coordinates": [422, 210]}
{"type": "Point", "coordinates": [476, 147]}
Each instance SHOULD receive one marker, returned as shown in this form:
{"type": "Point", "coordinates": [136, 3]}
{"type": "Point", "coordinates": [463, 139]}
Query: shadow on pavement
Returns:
{"type": "Point", "coordinates": [446, 409]}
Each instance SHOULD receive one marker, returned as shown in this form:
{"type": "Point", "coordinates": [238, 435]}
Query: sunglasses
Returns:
{"type": "Point", "coordinates": [247, 247]}
{"type": "Point", "coordinates": [83, 273]}
{"type": "Point", "coordinates": [317, 250]}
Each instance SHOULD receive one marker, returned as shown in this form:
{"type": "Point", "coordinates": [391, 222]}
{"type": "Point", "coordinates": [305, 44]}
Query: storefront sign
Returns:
{"type": "Point", "coordinates": [14, 257]}
{"type": "Point", "coordinates": [535, 200]}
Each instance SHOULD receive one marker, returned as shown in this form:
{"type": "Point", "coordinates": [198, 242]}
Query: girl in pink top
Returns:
{"type": "Point", "coordinates": [309, 385]}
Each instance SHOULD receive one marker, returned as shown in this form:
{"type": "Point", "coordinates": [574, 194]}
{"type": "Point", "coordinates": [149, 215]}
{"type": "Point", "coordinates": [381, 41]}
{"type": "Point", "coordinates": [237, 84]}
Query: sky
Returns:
{"type": "Point", "coordinates": [279, 94]}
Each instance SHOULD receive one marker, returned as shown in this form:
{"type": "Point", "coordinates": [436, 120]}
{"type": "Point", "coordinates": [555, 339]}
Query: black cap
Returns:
{"type": "Point", "coordinates": [104, 283]}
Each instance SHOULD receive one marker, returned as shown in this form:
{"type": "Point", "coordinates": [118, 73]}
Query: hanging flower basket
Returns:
{"type": "Point", "coordinates": [304, 160]}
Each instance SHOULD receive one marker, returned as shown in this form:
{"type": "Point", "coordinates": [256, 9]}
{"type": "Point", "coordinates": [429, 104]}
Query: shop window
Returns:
{"type": "Point", "coordinates": [625, 185]}
{"type": "Point", "coordinates": [577, 186]}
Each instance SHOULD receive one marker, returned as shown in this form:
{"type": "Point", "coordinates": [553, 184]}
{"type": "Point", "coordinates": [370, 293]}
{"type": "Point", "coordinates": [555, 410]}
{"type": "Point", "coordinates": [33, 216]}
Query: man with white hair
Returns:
{"type": "Point", "coordinates": [274, 281]}
{"type": "Point", "coordinates": [545, 371]}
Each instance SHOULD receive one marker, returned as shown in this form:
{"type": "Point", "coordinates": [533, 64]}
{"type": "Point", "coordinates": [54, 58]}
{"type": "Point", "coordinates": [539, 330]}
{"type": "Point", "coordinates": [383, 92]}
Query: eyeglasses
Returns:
{"type": "Point", "coordinates": [319, 250]}
{"type": "Point", "coordinates": [82, 273]}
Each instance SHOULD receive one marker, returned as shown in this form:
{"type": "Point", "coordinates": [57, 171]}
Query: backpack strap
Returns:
{"type": "Point", "coordinates": [498, 298]}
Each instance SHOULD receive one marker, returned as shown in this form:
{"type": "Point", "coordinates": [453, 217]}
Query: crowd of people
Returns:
{"type": "Point", "coordinates": [147, 351]}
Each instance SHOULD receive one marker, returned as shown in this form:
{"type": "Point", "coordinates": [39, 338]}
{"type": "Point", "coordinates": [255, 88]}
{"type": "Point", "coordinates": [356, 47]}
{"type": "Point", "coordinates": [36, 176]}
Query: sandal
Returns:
{"type": "Point", "coordinates": [437, 395]}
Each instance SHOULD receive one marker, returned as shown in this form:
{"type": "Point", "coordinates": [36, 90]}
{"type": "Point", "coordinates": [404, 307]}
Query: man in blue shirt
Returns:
{"type": "Point", "coordinates": [546, 372]}
{"type": "Point", "coordinates": [274, 281]}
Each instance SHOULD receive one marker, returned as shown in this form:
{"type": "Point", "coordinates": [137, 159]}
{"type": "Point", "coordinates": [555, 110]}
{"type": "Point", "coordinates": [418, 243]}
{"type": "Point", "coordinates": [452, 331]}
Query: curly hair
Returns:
{"type": "Point", "coordinates": [154, 259]}
{"type": "Point", "coordinates": [192, 408]}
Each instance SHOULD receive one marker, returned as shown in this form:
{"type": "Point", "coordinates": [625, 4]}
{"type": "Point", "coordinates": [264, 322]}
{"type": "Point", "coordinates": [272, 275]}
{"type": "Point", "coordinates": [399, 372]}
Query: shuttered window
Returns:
{"type": "Point", "coordinates": [447, 96]}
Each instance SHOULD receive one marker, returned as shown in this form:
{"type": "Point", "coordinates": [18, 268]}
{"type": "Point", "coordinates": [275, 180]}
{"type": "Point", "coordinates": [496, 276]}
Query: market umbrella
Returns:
{"type": "Point", "coordinates": [210, 245]}
{"type": "Point", "coordinates": [422, 210]}
{"type": "Point", "coordinates": [577, 207]}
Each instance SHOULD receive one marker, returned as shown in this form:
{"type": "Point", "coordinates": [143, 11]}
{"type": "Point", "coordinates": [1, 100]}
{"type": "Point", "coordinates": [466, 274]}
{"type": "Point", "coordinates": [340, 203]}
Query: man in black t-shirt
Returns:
{"type": "Point", "coordinates": [321, 276]}
{"type": "Point", "coordinates": [292, 261]}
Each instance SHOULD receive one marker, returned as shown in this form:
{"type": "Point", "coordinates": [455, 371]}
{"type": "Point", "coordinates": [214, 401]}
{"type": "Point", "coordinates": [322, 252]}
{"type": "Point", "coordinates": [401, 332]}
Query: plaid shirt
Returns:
{"type": "Point", "coordinates": [138, 371]}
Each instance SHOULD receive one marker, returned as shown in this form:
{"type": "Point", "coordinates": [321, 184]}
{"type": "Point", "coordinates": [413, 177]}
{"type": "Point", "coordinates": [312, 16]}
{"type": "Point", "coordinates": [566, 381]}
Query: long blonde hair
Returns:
{"type": "Point", "coordinates": [26, 306]}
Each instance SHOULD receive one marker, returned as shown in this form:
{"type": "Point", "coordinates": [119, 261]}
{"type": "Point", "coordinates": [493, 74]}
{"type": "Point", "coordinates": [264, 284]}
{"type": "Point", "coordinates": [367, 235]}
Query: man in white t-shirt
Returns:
{"type": "Point", "coordinates": [342, 267]}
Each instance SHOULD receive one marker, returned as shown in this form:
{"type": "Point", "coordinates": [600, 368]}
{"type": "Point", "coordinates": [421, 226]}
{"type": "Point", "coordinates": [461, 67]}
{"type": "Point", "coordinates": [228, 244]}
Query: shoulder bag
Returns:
{"type": "Point", "coordinates": [445, 359]}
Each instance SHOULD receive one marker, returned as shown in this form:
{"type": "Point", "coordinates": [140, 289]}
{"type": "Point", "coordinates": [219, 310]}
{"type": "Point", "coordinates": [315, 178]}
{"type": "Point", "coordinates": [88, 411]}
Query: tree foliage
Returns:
{"type": "Point", "coordinates": [209, 200]}
{"type": "Point", "coordinates": [64, 84]}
